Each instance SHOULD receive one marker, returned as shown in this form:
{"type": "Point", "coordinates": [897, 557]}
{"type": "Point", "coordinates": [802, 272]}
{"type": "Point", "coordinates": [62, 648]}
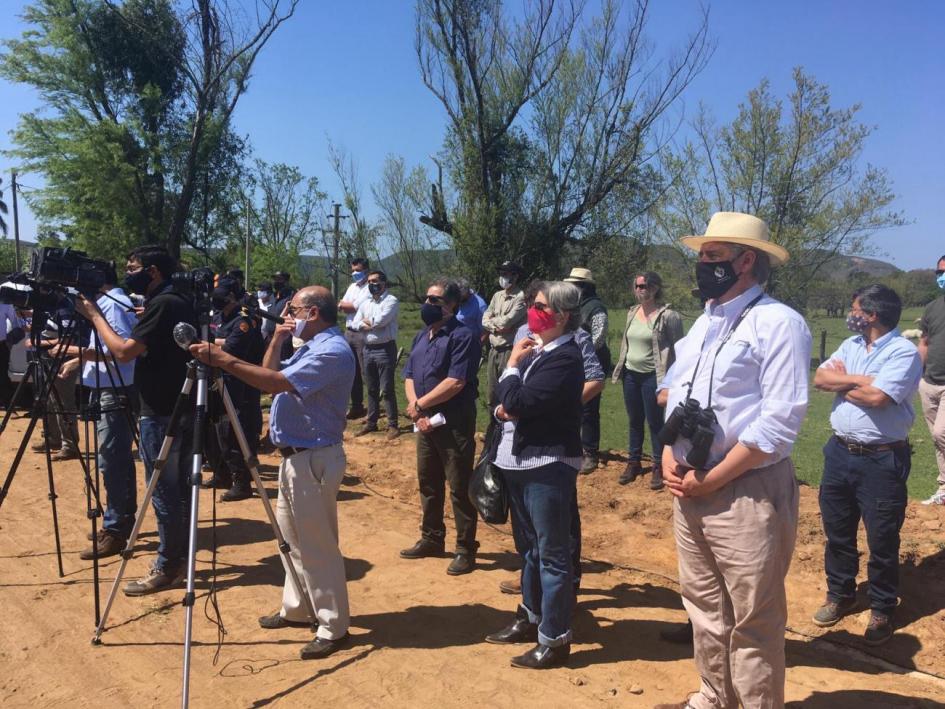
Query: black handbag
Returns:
{"type": "Point", "coordinates": [487, 488]}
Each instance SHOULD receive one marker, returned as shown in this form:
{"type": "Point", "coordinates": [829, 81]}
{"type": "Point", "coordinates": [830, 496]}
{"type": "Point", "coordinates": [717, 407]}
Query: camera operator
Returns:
{"type": "Point", "coordinates": [112, 391]}
{"type": "Point", "coordinates": [741, 374]}
{"type": "Point", "coordinates": [63, 426]}
{"type": "Point", "coordinates": [282, 294]}
{"type": "Point", "coordinates": [239, 336]}
{"type": "Point", "coordinates": [306, 424]}
{"type": "Point", "coordinates": [159, 377]}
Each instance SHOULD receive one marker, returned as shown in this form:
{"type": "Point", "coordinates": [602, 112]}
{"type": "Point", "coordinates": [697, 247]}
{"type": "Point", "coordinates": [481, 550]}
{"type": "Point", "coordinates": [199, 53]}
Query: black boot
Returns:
{"type": "Point", "coordinates": [542, 657]}
{"type": "Point", "coordinates": [519, 630]}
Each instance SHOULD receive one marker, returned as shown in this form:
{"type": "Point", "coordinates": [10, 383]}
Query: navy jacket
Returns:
{"type": "Point", "coordinates": [548, 403]}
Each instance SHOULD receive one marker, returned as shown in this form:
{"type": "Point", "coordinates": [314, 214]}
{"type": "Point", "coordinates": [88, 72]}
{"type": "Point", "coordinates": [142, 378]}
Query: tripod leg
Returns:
{"type": "Point", "coordinates": [52, 500]}
{"type": "Point", "coordinates": [252, 463]}
{"type": "Point", "coordinates": [16, 397]}
{"type": "Point", "coordinates": [200, 430]}
{"type": "Point", "coordinates": [159, 462]}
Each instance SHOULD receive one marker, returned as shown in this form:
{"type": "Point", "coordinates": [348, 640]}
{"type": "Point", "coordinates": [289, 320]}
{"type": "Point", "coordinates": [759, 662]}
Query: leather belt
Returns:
{"type": "Point", "coordinates": [867, 448]}
{"type": "Point", "coordinates": [289, 451]}
{"type": "Point", "coordinates": [379, 345]}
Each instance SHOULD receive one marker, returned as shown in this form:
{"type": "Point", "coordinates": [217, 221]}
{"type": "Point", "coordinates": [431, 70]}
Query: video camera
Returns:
{"type": "Point", "coordinates": [694, 424]}
{"type": "Point", "coordinates": [52, 270]}
{"type": "Point", "coordinates": [198, 282]}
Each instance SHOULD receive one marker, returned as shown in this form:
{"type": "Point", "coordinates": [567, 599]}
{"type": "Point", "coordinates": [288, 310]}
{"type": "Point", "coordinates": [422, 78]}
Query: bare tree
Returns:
{"type": "Point", "coordinates": [361, 234]}
{"type": "Point", "coordinates": [222, 45]}
{"type": "Point", "coordinates": [529, 180]}
{"type": "Point", "coordinates": [417, 249]}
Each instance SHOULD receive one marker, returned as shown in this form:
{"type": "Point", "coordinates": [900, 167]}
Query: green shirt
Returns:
{"type": "Point", "coordinates": [640, 347]}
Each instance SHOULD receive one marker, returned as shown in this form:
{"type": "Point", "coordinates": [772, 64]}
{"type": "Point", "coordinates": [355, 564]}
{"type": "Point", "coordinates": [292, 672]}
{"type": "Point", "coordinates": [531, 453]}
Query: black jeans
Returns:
{"type": "Point", "coordinates": [445, 455]}
{"type": "Point", "coordinates": [379, 363]}
{"type": "Point", "coordinates": [871, 486]}
{"type": "Point", "coordinates": [356, 342]}
{"type": "Point", "coordinates": [590, 425]}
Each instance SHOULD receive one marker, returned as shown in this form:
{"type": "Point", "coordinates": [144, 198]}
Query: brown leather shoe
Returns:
{"type": "Point", "coordinates": [108, 545]}
{"type": "Point", "coordinates": [513, 587]}
{"type": "Point", "coordinates": [366, 429]}
{"type": "Point", "coordinates": [65, 454]}
{"type": "Point", "coordinates": [392, 433]}
{"type": "Point", "coordinates": [631, 472]}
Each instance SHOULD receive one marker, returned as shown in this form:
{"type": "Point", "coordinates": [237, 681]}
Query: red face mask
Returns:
{"type": "Point", "coordinates": [540, 320]}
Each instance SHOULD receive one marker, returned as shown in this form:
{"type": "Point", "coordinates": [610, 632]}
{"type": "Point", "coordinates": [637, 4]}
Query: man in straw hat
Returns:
{"type": "Point", "coordinates": [741, 375]}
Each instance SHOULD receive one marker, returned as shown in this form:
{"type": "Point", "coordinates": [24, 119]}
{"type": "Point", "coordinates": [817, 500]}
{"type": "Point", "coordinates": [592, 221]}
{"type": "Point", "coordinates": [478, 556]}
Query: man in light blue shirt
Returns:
{"type": "Point", "coordinates": [111, 390]}
{"type": "Point", "coordinates": [874, 374]}
{"type": "Point", "coordinates": [376, 320]}
{"type": "Point", "coordinates": [306, 424]}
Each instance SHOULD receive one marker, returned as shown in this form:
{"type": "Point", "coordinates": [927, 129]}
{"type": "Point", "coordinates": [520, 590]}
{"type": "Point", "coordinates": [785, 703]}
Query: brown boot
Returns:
{"type": "Point", "coordinates": [108, 545]}
{"type": "Point", "coordinates": [631, 472]}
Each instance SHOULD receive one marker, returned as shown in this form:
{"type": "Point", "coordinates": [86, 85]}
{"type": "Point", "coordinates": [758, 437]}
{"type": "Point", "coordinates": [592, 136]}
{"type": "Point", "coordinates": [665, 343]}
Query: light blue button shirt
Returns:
{"type": "Point", "coordinates": [120, 315]}
{"type": "Point", "coordinates": [321, 373]}
{"type": "Point", "coordinates": [382, 314]}
{"type": "Point", "coordinates": [759, 390]}
{"type": "Point", "coordinates": [897, 368]}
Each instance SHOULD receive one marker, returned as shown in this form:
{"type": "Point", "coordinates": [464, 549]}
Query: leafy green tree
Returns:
{"type": "Point", "coordinates": [547, 119]}
{"type": "Point", "coordinates": [795, 164]}
{"type": "Point", "coordinates": [137, 100]}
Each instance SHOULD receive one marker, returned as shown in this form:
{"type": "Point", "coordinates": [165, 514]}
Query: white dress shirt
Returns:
{"type": "Point", "coordinates": [382, 314]}
{"type": "Point", "coordinates": [759, 392]}
{"type": "Point", "coordinates": [356, 294]}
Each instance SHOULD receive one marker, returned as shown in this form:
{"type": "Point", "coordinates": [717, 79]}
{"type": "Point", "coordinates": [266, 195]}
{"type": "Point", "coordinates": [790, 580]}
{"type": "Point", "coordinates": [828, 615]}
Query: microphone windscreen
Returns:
{"type": "Point", "coordinates": [185, 335]}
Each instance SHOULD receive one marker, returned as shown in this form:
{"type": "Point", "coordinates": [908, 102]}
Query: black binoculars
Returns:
{"type": "Point", "coordinates": [695, 424]}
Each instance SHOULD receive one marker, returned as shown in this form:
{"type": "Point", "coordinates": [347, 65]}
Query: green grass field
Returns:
{"type": "Point", "coordinates": [807, 455]}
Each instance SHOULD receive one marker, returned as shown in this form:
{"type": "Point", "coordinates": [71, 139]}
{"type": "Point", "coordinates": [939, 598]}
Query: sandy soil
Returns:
{"type": "Point", "coordinates": [418, 633]}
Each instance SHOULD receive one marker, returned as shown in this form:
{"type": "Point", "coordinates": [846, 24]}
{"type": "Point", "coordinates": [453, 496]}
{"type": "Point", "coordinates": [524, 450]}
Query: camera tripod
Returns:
{"type": "Point", "coordinates": [42, 371]}
{"type": "Point", "coordinates": [201, 373]}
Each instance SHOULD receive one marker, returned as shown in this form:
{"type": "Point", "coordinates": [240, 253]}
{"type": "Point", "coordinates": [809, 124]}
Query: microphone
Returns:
{"type": "Point", "coordinates": [185, 335]}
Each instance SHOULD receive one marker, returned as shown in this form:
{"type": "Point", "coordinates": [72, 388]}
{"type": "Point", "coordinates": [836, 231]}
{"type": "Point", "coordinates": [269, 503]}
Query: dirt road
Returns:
{"type": "Point", "coordinates": [418, 633]}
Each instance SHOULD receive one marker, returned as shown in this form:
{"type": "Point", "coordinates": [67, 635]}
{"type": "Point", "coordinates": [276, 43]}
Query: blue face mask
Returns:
{"type": "Point", "coordinates": [358, 276]}
{"type": "Point", "coordinates": [941, 281]}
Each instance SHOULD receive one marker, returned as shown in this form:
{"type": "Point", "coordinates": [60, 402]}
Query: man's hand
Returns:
{"type": "Point", "coordinates": [86, 308]}
{"type": "Point", "coordinates": [686, 482]}
{"type": "Point", "coordinates": [501, 414]}
{"type": "Point", "coordinates": [286, 329]}
{"type": "Point", "coordinates": [836, 365]}
{"type": "Point", "coordinates": [67, 369]}
{"type": "Point", "coordinates": [423, 423]}
{"type": "Point", "coordinates": [412, 410]}
{"type": "Point", "coordinates": [366, 324]}
{"type": "Point", "coordinates": [520, 350]}
{"type": "Point", "coordinates": [208, 353]}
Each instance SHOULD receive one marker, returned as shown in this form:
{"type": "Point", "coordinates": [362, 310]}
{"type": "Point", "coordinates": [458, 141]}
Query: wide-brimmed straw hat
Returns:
{"type": "Point", "coordinates": [742, 229]}
{"type": "Point", "coordinates": [580, 275]}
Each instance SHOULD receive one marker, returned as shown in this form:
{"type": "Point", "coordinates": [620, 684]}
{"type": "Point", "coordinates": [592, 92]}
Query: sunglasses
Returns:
{"type": "Point", "coordinates": [641, 286]}
{"type": "Point", "coordinates": [434, 300]}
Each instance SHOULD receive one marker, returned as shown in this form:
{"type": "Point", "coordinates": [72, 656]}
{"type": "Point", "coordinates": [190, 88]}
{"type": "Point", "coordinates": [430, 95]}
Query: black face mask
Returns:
{"type": "Point", "coordinates": [715, 278]}
{"type": "Point", "coordinates": [431, 313]}
{"type": "Point", "coordinates": [137, 282]}
{"type": "Point", "coordinates": [375, 288]}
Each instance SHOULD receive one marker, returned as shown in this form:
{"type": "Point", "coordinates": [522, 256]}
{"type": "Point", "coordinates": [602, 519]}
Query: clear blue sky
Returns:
{"type": "Point", "coordinates": [347, 71]}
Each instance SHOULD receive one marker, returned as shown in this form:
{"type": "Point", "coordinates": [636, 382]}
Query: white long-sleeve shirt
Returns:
{"type": "Point", "coordinates": [759, 392]}
{"type": "Point", "coordinates": [382, 314]}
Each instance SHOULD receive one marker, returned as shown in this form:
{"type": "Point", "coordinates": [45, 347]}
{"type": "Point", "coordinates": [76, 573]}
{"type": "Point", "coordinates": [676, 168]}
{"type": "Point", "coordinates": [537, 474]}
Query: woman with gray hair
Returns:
{"type": "Point", "coordinates": [539, 454]}
{"type": "Point", "coordinates": [646, 353]}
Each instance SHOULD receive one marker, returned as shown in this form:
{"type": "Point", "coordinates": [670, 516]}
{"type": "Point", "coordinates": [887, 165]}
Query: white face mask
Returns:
{"type": "Point", "coordinates": [504, 282]}
{"type": "Point", "coordinates": [262, 295]}
{"type": "Point", "coordinates": [299, 326]}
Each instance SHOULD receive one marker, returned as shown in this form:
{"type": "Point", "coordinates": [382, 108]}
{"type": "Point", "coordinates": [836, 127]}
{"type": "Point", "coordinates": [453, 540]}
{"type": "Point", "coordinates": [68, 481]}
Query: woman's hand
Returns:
{"type": "Point", "coordinates": [520, 350]}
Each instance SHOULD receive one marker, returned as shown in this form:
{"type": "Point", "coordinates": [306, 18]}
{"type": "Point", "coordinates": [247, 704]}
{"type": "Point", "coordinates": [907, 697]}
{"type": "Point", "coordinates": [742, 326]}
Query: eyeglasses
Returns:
{"type": "Point", "coordinates": [541, 307]}
{"type": "Point", "coordinates": [293, 310]}
{"type": "Point", "coordinates": [434, 300]}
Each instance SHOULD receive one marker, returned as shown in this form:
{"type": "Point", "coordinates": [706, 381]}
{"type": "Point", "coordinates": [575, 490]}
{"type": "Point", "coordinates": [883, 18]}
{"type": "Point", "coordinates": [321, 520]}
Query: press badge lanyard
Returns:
{"type": "Point", "coordinates": [722, 344]}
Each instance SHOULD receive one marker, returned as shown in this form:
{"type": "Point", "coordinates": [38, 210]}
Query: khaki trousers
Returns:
{"type": "Point", "coordinates": [307, 513]}
{"type": "Point", "coordinates": [931, 397]}
{"type": "Point", "coordinates": [735, 548]}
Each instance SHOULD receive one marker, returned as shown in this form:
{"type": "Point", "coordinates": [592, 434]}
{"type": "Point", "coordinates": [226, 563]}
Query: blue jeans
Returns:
{"type": "Point", "coordinates": [171, 500]}
{"type": "Point", "coordinates": [116, 461]}
{"type": "Point", "coordinates": [871, 486]}
{"type": "Point", "coordinates": [541, 502]}
{"type": "Point", "coordinates": [639, 396]}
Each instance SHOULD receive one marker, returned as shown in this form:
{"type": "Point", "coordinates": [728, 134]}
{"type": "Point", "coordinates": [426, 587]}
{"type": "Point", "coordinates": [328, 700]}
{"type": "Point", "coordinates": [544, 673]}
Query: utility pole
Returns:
{"type": "Point", "coordinates": [335, 246]}
{"type": "Point", "coordinates": [16, 229]}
